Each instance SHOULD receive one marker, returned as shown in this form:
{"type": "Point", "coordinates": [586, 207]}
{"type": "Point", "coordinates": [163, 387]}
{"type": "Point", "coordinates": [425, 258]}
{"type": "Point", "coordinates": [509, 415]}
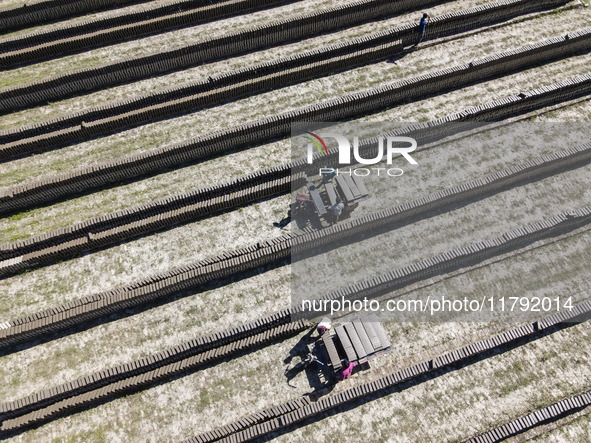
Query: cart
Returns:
{"type": "Point", "coordinates": [357, 341]}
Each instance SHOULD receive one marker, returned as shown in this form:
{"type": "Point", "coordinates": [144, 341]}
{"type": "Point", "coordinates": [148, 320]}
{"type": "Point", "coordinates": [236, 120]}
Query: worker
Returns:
{"type": "Point", "coordinates": [327, 174]}
{"type": "Point", "coordinates": [311, 358]}
{"type": "Point", "coordinates": [350, 208]}
{"type": "Point", "coordinates": [422, 25]}
{"type": "Point", "coordinates": [346, 370]}
{"type": "Point", "coordinates": [336, 210]}
{"type": "Point", "coordinates": [324, 326]}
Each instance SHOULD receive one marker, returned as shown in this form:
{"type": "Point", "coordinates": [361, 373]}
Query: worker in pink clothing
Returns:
{"type": "Point", "coordinates": [346, 370]}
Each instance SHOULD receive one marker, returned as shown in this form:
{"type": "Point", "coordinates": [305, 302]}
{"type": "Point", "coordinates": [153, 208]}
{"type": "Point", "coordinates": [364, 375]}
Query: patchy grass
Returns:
{"type": "Point", "coordinates": [453, 407]}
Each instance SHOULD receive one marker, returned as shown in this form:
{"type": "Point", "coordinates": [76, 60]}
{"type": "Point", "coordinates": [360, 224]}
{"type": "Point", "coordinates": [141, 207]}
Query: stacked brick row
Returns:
{"type": "Point", "coordinates": [256, 418]}
{"type": "Point", "coordinates": [281, 248]}
{"type": "Point", "coordinates": [31, 13]}
{"type": "Point", "coordinates": [188, 98]}
{"type": "Point", "coordinates": [72, 128]}
{"type": "Point", "coordinates": [100, 386]}
{"type": "Point", "coordinates": [248, 40]}
{"type": "Point", "coordinates": [54, 187]}
{"type": "Point", "coordinates": [104, 230]}
{"type": "Point", "coordinates": [235, 432]}
{"type": "Point", "coordinates": [103, 385]}
{"type": "Point", "coordinates": [118, 116]}
{"type": "Point", "coordinates": [107, 229]}
{"type": "Point", "coordinates": [78, 36]}
{"type": "Point", "coordinates": [19, 97]}
{"type": "Point", "coordinates": [541, 416]}
{"type": "Point", "coordinates": [336, 57]}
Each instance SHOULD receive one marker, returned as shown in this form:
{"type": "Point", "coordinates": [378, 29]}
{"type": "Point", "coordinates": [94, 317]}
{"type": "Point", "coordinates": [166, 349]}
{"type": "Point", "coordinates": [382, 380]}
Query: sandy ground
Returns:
{"type": "Point", "coordinates": [577, 431]}
{"type": "Point", "coordinates": [452, 407]}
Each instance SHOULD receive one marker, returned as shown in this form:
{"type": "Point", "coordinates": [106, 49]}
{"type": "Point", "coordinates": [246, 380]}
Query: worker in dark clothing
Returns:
{"type": "Point", "coordinates": [336, 211]}
{"type": "Point", "coordinates": [422, 25]}
{"type": "Point", "coordinates": [328, 174]}
{"type": "Point", "coordinates": [350, 207]}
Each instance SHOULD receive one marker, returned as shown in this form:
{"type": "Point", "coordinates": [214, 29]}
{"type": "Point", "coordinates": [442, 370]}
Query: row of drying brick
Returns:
{"type": "Point", "coordinates": [240, 42]}
{"type": "Point", "coordinates": [31, 13]}
{"type": "Point", "coordinates": [106, 384]}
{"type": "Point", "coordinates": [448, 261]}
{"type": "Point", "coordinates": [118, 116]}
{"type": "Point", "coordinates": [438, 264]}
{"type": "Point", "coordinates": [103, 31]}
{"type": "Point", "coordinates": [281, 248]}
{"type": "Point", "coordinates": [199, 345]}
{"type": "Point", "coordinates": [105, 229]}
{"type": "Point", "coordinates": [22, 96]}
{"type": "Point", "coordinates": [154, 107]}
{"type": "Point", "coordinates": [537, 418]}
{"type": "Point", "coordinates": [156, 286]}
{"type": "Point", "coordinates": [528, 171]}
{"type": "Point", "coordinates": [45, 190]}
{"type": "Point", "coordinates": [54, 250]}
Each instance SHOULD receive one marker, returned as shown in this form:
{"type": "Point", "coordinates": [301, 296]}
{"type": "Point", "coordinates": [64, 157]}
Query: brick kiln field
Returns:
{"type": "Point", "coordinates": [452, 407]}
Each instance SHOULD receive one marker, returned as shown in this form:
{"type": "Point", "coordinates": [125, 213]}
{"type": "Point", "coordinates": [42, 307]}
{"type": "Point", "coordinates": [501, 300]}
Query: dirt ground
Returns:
{"type": "Point", "coordinates": [452, 407]}
{"type": "Point", "coordinates": [577, 431]}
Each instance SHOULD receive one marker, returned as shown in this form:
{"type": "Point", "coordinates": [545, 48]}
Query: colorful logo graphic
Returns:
{"type": "Point", "coordinates": [318, 139]}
